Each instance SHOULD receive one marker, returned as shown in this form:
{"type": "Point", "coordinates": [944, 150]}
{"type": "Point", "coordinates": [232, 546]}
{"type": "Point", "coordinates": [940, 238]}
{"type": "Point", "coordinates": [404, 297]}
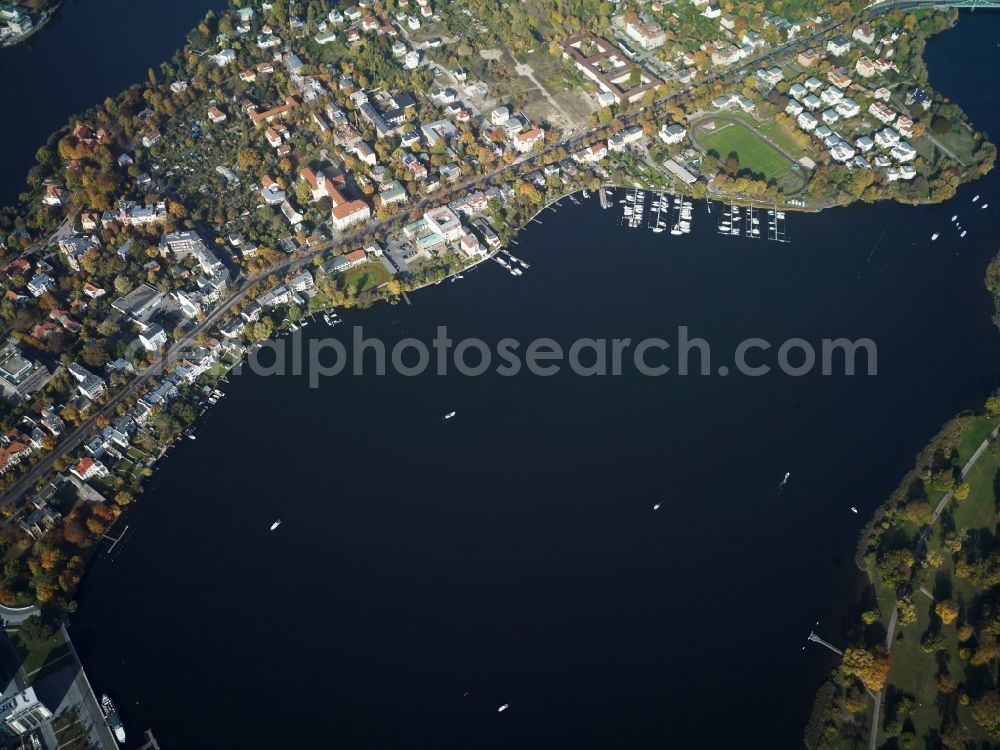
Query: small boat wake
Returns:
{"type": "Point", "coordinates": [781, 485]}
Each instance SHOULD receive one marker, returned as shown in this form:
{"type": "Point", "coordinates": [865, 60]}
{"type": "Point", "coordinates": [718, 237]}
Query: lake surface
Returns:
{"type": "Point", "coordinates": [512, 553]}
{"type": "Point", "coordinates": [90, 50]}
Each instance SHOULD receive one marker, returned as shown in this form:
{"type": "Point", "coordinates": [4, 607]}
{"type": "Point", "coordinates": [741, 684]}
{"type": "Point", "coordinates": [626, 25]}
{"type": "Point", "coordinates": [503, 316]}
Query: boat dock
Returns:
{"type": "Point", "coordinates": [634, 207]}
{"type": "Point", "coordinates": [114, 541]}
{"type": "Point", "coordinates": [816, 639]}
{"type": "Point", "coordinates": [776, 230]}
{"type": "Point", "coordinates": [748, 222]}
{"type": "Point", "coordinates": [151, 743]}
{"type": "Point", "coordinates": [751, 230]}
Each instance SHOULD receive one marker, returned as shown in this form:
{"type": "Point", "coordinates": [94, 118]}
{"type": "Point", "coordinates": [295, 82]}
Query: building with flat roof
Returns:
{"type": "Point", "coordinates": [140, 302]}
{"type": "Point", "coordinates": [23, 713]}
{"type": "Point", "coordinates": [20, 376]}
{"type": "Point", "coordinates": [679, 172]}
{"type": "Point", "coordinates": [445, 222]}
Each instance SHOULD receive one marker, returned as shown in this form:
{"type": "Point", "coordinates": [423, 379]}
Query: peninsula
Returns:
{"type": "Point", "coordinates": [285, 163]}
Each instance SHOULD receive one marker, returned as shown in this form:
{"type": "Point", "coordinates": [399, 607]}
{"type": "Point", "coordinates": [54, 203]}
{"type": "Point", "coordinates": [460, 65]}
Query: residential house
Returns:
{"type": "Point", "coordinates": [807, 121]}
{"type": "Point", "coordinates": [648, 35]}
{"type": "Point", "coordinates": [153, 338]}
{"type": "Point", "coordinates": [848, 108]}
{"type": "Point", "coordinates": [88, 468]}
{"type": "Point", "coordinates": [40, 284]}
{"type": "Point", "coordinates": [524, 142]}
{"type": "Point", "coordinates": [882, 113]}
{"type": "Point", "coordinates": [865, 67]}
{"type": "Point", "coordinates": [809, 58]}
{"type": "Point", "coordinates": [14, 446]}
{"type": "Point", "coordinates": [54, 196]}
{"type": "Point", "coordinates": [864, 144]}
{"type": "Point", "coordinates": [905, 126]}
{"type": "Point", "coordinates": [89, 384]}
{"type": "Point", "coordinates": [672, 134]}
{"type": "Point", "coordinates": [626, 137]}
{"type": "Point", "coordinates": [839, 46]}
{"type": "Point", "coordinates": [864, 34]}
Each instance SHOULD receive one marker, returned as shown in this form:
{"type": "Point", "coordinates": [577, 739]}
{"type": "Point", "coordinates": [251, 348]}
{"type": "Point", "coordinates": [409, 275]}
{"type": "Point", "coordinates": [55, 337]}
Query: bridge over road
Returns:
{"type": "Point", "coordinates": [913, 4]}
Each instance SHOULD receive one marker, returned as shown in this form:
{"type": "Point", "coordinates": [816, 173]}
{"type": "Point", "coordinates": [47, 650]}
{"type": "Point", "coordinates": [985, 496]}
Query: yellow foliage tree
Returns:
{"type": "Point", "coordinates": [947, 611]}
{"type": "Point", "coordinates": [869, 667]}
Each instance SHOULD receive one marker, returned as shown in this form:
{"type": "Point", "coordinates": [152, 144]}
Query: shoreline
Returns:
{"type": "Point", "coordinates": [875, 588]}
{"type": "Point", "coordinates": [246, 282]}
{"type": "Point", "coordinates": [46, 17]}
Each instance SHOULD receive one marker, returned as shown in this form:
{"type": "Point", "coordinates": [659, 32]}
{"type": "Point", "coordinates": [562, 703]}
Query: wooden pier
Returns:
{"type": "Point", "coordinates": [816, 639]}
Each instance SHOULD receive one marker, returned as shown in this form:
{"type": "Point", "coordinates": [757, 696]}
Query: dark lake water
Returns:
{"type": "Point", "coordinates": [512, 552]}
{"type": "Point", "coordinates": [89, 50]}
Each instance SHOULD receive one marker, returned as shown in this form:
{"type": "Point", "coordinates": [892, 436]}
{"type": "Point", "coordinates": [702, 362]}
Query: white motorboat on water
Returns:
{"type": "Point", "coordinates": [449, 415]}
{"type": "Point", "coordinates": [954, 218]}
{"type": "Point", "coordinates": [975, 197]}
{"type": "Point", "coordinates": [934, 236]}
{"type": "Point", "coordinates": [503, 708]}
{"type": "Point", "coordinates": [964, 232]}
{"type": "Point", "coordinates": [853, 509]}
{"type": "Point", "coordinates": [276, 524]}
{"type": "Point", "coordinates": [657, 506]}
{"type": "Point", "coordinates": [114, 720]}
{"type": "Point", "coordinates": [986, 205]}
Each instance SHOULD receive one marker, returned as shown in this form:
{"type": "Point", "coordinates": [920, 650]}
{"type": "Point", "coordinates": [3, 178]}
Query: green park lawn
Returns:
{"type": "Point", "coordinates": [913, 670]}
{"type": "Point", "coordinates": [753, 153]}
{"type": "Point", "coordinates": [34, 656]}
